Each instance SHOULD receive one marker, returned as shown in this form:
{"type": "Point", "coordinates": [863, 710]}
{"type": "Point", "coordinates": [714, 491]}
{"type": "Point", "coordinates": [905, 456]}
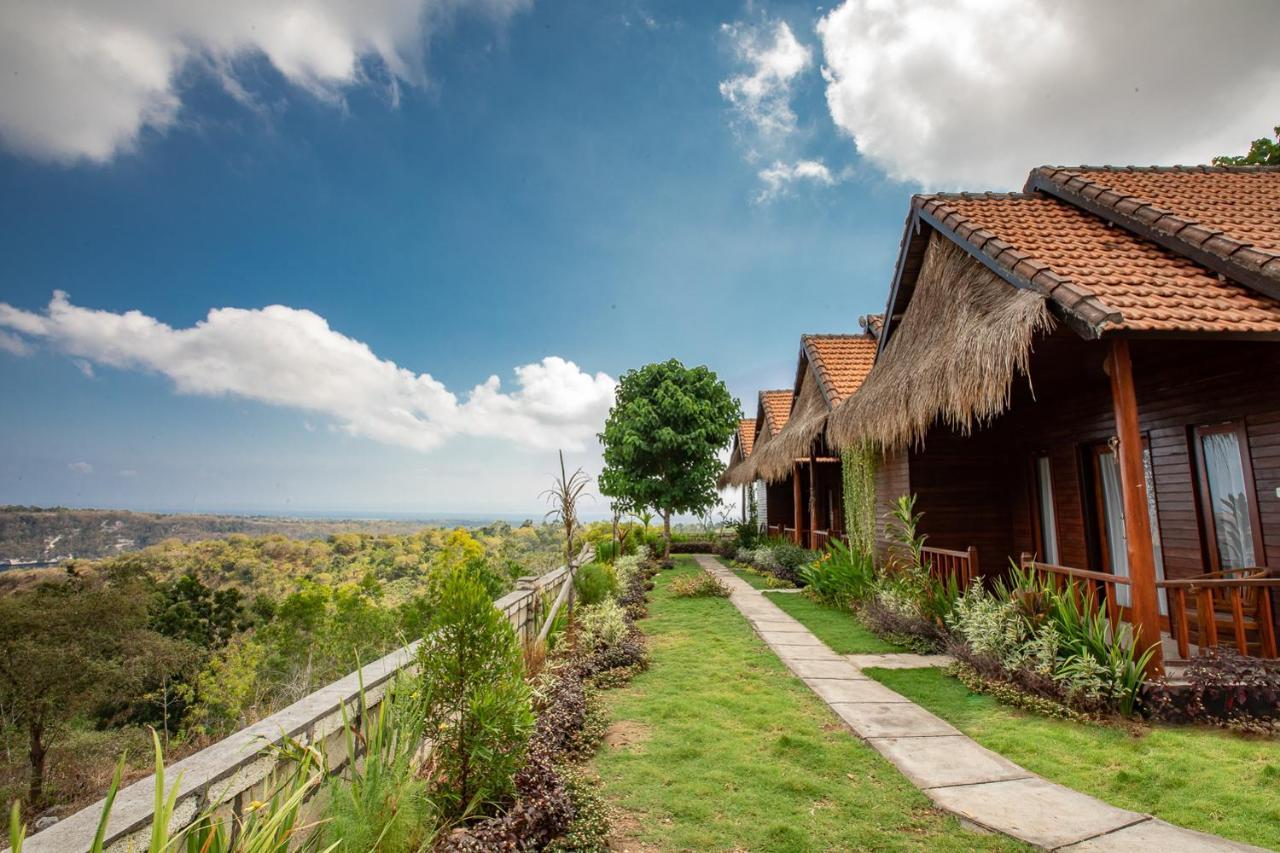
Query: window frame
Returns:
{"type": "Point", "coordinates": [1037, 510]}
{"type": "Point", "coordinates": [1204, 507]}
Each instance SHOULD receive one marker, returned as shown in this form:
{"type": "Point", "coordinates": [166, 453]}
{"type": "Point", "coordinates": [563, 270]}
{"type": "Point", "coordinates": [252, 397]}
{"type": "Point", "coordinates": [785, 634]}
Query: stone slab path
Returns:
{"type": "Point", "coordinates": [981, 787]}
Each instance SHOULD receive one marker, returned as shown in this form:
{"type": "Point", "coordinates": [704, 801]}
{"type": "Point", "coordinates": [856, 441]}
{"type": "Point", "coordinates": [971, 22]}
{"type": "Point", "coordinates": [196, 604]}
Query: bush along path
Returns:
{"type": "Point", "coordinates": [955, 772]}
{"type": "Point", "coordinates": [716, 747]}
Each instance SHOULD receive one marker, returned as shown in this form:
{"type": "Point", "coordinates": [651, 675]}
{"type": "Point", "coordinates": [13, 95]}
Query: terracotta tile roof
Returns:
{"type": "Point", "coordinates": [840, 362]}
{"type": "Point", "coordinates": [777, 409]}
{"type": "Point", "coordinates": [1103, 278]}
{"type": "Point", "coordinates": [1225, 217]}
{"type": "Point", "coordinates": [746, 436]}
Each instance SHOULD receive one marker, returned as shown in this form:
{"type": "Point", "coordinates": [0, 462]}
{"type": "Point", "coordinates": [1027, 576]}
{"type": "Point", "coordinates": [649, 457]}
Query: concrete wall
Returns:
{"type": "Point", "coordinates": [237, 770]}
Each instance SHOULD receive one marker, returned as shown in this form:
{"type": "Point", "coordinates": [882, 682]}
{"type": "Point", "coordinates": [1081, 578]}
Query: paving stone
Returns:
{"type": "Point", "coordinates": [834, 668]}
{"type": "Point", "coordinates": [1157, 835]}
{"type": "Point", "coordinates": [1034, 811]}
{"type": "Point", "coordinates": [930, 762]}
{"type": "Point", "coordinates": [791, 638]}
{"type": "Point", "coordinates": [843, 690]}
{"type": "Point", "coordinates": [892, 719]}
{"type": "Point", "coordinates": [778, 626]}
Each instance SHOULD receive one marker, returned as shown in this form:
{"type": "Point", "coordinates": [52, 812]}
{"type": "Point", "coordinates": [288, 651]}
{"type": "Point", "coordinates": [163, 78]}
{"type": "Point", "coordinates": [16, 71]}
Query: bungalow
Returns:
{"type": "Point", "coordinates": [774, 501]}
{"type": "Point", "coordinates": [1084, 378]}
{"type": "Point", "coordinates": [829, 369]}
{"type": "Point", "coordinates": [743, 441]}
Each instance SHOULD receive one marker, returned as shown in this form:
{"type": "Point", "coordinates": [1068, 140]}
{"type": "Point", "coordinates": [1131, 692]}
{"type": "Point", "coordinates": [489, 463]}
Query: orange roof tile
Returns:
{"type": "Point", "coordinates": [1101, 276]}
{"type": "Point", "coordinates": [746, 436]}
{"type": "Point", "coordinates": [1226, 217]}
{"type": "Point", "coordinates": [777, 409]}
{"type": "Point", "coordinates": [840, 362]}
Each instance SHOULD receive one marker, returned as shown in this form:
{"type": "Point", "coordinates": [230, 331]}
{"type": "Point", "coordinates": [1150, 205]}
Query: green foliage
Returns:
{"type": "Point", "coordinates": [1262, 152]}
{"type": "Point", "coordinates": [906, 535]}
{"type": "Point", "coordinates": [589, 830]}
{"type": "Point", "coordinates": [595, 582]}
{"type": "Point", "coordinates": [698, 586]}
{"type": "Point", "coordinates": [381, 804]}
{"type": "Point", "coordinates": [475, 700]}
{"type": "Point", "coordinates": [187, 609]}
{"type": "Point", "coordinates": [663, 438]}
{"type": "Point", "coordinates": [840, 576]}
{"type": "Point", "coordinates": [858, 468]}
{"type": "Point", "coordinates": [607, 552]}
{"type": "Point", "coordinates": [601, 625]}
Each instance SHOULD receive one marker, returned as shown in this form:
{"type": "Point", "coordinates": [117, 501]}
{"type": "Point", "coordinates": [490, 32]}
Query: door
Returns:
{"type": "Point", "coordinates": [1227, 495]}
{"type": "Point", "coordinates": [1108, 511]}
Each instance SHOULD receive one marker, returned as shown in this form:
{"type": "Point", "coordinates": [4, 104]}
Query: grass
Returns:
{"type": "Point", "coordinates": [1213, 781]}
{"type": "Point", "coordinates": [718, 747]}
{"type": "Point", "coordinates": [838, 628]}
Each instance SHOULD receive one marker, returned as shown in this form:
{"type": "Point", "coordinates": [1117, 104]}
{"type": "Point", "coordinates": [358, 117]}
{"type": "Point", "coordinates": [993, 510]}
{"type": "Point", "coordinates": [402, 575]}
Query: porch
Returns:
{"type": "Point", "coordinates": [807, 507]}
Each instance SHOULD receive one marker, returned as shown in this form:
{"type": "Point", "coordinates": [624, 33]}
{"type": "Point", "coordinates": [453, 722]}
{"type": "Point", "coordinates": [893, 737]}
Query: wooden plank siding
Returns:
{"type": "Point", "coordinates": [892, 480]}
{"type": "Point", "coordinates": [979, 490]}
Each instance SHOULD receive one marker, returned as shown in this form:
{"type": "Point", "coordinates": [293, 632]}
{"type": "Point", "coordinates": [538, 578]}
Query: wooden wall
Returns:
{"type": "Point", "coordinates": [892, 480]}
{"type": "Point", "coordinates": [977, 490]}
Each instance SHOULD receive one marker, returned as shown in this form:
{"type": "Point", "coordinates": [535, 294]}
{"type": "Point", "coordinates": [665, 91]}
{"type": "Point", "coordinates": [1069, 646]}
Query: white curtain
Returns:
{"type": "Point", "coordinates": [1048, 522]}
{"type": "Point", "coordinates": [1117, 541]}
{"type": "Point", "coordinates": [1229, 498]}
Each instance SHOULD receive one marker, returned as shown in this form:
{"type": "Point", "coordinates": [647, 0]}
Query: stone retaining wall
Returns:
{"type": "Point", "coordinates": [235, 771]}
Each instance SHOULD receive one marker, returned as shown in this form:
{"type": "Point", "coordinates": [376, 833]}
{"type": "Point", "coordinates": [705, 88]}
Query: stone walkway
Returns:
{"type": "Point", "coordinates": [968, 780]}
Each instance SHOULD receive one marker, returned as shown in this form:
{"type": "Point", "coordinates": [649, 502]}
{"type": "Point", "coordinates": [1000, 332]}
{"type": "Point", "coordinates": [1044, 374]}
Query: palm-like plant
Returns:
{"type": "Point", "coordinates": [563, 497]}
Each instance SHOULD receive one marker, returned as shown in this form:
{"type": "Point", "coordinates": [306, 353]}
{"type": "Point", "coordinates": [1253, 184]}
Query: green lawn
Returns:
{"type": "Point", "coordinates": [839, 629]}
{"type": "Point", "coordinates": [718, 747]}
{"type": "Point", "coordinates": [1212, 781]}
{"type": "Point", "coordinates": [757, 579]}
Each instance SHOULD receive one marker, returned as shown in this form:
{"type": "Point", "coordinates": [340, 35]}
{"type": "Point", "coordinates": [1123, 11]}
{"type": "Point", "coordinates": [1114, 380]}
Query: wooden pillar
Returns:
{"type": "Point", "coordinates": [1144, 605]}
{"type": "Point", "coordinates": [797, 506]}
{"type": "Point", "coordinates": [813, 501]}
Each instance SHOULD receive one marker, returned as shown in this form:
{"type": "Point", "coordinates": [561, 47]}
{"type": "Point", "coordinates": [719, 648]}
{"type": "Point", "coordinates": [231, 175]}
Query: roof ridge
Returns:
{"type": "Point", "coordinates": [1177, 169]}
{"type": "Point", "coordinates": [1181, 233]}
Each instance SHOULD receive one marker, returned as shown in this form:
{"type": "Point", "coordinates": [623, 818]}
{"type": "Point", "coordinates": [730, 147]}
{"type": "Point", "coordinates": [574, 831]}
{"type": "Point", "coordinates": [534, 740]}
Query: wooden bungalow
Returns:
{"type": "Point", "coordinates": [829, 369]}
{"type": "Point", "coordinates": [774, 501]}
{"type": "Point", "coordinates": [1084, 377]}
{"type": "Point", "coordinates": [743, 441]}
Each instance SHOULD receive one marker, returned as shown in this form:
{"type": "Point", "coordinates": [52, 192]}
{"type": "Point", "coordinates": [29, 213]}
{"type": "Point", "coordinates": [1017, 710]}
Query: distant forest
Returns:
{"type": "Point", "coordinates": [29, 533]}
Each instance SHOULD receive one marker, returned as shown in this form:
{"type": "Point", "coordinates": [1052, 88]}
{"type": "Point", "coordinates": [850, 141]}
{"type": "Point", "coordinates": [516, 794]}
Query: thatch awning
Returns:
{"type": "Point", "coordinates": [773, 460]}
{"type": "Point", "coordinates": [965, 335]}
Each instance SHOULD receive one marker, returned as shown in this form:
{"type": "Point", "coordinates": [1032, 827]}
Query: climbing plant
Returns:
{"type": "Point", "coordinates": [858, 466]}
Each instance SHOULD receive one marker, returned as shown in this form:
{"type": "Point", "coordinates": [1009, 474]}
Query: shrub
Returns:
{"type": "Point", "coordinates": [475, 700]}
{"type": "Point", "coordinates": [698, 586]}
{"type": "Point", "coordinates": [607, 551]}
{"type": "Point", "coordinates": [698, 546]}
{"type": "Point", "coordinates": [1223, 689]}
{"type": "Point", "coordinates": [840, 577]}
{"type": "Point", "coordinates": [895, 615]}
{"type": "Point", "coordinates": [625, 569]}
{"type": "Point", "coordinates": [589, 829]}
{"type": "Point", "coordinates": [595, 582]}
{"type": "Point", "coordinates": [788, 560]}
{"type": "Point", "coordinates": [601, 625]}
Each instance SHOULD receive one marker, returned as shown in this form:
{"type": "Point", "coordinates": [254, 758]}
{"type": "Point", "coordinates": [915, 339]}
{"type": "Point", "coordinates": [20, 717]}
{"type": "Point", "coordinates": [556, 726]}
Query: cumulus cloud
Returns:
{"type": "Point", "coordinates": [778, 179]}
{"type": "Point", "coordinates": [13, 345]}
{"type": "Point", "coordinates": [761, 96]}
{"type": "Point", "coordinates": [80, 467]}
{"type": "Point", "coordinates": [289, 357]}
{"type": "Point", "coordinates": [973, 93]}
{"type": "Point", "coordinates": [81, 79]}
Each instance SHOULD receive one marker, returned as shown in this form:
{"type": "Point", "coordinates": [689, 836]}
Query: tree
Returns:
{"type": "Point", "coordinates": [663, 438]}
{"type": "Point", "coordinates": [475, 699]}
{"type": "Point", "coordinates": [67, 647]}
{"type": "Point", "coordinates": [1262, 152]}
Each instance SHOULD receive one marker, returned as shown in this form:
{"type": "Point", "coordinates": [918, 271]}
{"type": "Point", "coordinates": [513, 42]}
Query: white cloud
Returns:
{"type": "Point", "coordinates": [84, 367]}
{"type": "Point", "coordinates": [14, 345]}
{"type": "Point", "coordinates": [81, 79]}
{"type": "Point", "coordinates": [779, 178]}
{"type": "Point", "coordinates": [761, 97]}
{"type": "Point", "coordinates": [80, 467]}
{"type": "Point", "coordinates": [288, 357]}
{"type": "Point", "coordinates": [974, 93]}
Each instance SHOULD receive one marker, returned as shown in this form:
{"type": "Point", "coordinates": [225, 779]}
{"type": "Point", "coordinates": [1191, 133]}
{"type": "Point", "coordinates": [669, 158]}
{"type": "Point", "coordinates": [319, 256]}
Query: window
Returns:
{"type": "Point", "coordinates": [1109, 510]}
{"type": "Point", "coordinates": [1044, 504]}
{"type": "Point", "coordinates": [1226, 490]}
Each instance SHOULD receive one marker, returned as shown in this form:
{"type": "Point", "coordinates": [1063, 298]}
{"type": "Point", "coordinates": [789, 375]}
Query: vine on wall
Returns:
{"type": "Point", "coordinates": [858, 466]}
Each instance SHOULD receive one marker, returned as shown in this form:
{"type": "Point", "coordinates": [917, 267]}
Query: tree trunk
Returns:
{"type": "Point", "coordinates": [666, 534]}
{"type": "Point", "coordinates": [37, 754]}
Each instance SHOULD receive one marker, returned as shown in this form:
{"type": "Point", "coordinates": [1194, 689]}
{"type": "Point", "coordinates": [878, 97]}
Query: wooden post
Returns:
{"type": "Point", "coordinates": [813, 502]}
{"type": "Point", "coordinates": [1137, 522]}
{"type": "Point", "coordinates": [797, 507]}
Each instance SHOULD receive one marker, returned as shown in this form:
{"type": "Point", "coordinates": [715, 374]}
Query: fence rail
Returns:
{"type": "Point", "coordinates": [235, 771]}
{"type": "Point", "coordinates": [945, 564]}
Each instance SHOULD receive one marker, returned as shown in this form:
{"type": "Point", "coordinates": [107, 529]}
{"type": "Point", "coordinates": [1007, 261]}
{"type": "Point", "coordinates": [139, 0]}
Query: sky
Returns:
{"type": "Point", "coordinates": [389, 256]}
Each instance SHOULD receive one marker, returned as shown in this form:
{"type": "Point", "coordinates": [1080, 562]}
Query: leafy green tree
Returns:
{"type": "Point", "coordinates": [1262, 152]}
{"type": "Point", "coordinates": [476, 703]}
{"type": "Point", "coordinates": [663, 439]}
{"type": "Point", "coordinates": [67, 647]}
{"type": "Point", "coordinates": [187, 609]}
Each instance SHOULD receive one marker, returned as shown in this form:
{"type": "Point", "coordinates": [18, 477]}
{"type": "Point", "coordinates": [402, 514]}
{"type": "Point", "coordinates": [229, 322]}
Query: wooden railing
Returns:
{"type": "Point", "coordinates": [790, 533]}
{"type": "Point", "coordinates": [944, 564]}
{"type": "Point", "coordinates": [818, 539]}
{"type": "Point", "coordinates": [1236, 603]}
{"type": "Point", "coordinates": [774, 529]}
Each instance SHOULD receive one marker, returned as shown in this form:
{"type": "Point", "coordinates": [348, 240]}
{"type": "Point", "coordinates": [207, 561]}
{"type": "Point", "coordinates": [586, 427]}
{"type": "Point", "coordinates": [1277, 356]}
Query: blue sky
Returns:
{"type": "Point", "coordinates": [583, 181]}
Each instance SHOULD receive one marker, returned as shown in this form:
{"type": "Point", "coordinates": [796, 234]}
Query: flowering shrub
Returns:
{"type": "Point", "coordinates": [601, 625]}
{"type": "Point", "coordinates": [840, 576]}
{"type": "Point", "coordinates": [698, 586]}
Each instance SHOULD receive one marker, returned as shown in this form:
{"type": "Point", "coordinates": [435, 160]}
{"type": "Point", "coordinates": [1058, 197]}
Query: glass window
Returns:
{"type": "Point", "coordinates": [1228, 499]}
{"type": "Point", "coordinates": [1048, 522]}
{"type": "Point", "coordinates": [1113, 521]}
